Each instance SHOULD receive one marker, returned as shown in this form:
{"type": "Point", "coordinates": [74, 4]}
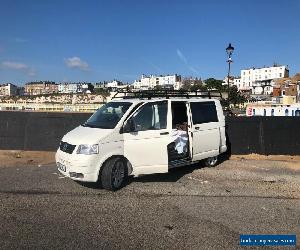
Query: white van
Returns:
{"type": "Point", "coordinates": [138, 136]}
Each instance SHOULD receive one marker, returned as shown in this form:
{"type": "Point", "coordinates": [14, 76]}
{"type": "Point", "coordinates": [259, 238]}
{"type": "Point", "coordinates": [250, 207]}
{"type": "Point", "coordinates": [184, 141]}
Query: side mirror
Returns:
{"type": "Point", "coordinates": [129, 126]}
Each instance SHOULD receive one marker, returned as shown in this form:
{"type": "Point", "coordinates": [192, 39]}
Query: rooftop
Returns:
{"type": "Point", "coordinates": [293, 80]}
{"type": "Point", "coordinates": [265, 67]}
{"type": "Point", "coordinates": [6, 84]}
{"type": "Point", "coordinates": [40, 82]}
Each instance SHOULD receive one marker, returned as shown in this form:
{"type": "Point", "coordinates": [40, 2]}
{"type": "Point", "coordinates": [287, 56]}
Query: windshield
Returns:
{"type": "Point", "coordinates": [108, 115]}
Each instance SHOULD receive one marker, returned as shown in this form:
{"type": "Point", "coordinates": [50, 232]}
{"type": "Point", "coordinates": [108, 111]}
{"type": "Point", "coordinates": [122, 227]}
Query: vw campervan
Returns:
{"type": "Point", "coordinates": [138, 136]}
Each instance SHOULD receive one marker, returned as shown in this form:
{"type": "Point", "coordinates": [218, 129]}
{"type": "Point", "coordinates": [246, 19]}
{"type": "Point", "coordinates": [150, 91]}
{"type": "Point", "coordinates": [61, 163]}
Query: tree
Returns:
{"type": "Point", "coordinates": [186, 85]}
{"type": "Point", "coordinates": [235, 96]}
{"type": "Point", "coordinates": [212, 83]}
{"type": "Point", "coordinates": [101, 91]}
{"type": "Point", "coordinates": [91, 87]}
{"type": "Point", "coordinates": [190, 84]}
{"type": "Point", "coordinates": [198, 86]}
{"type": "Point", "coordinates": [158, 87]}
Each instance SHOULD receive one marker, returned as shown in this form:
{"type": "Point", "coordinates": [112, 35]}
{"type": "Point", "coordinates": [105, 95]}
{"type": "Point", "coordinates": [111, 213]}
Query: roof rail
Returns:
{"type": "Point", "coordinates": [148, 94]}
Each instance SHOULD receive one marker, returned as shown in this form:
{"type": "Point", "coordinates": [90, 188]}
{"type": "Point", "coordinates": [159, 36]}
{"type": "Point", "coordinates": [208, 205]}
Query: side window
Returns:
{"type": "Point", "coordinates": [204, 112]}
{"type": "Point", "coordinates": [179, 115]}
{"type": "Point", "coordinates": [152, 116]}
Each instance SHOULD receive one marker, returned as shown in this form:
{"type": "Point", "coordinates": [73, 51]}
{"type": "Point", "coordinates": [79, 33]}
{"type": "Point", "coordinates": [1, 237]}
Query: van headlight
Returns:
{"type": "Point", "coordinates": [86, 149]}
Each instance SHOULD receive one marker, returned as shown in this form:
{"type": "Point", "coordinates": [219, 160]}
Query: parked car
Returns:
{"type": "Point", "coordinates": [141, 136]}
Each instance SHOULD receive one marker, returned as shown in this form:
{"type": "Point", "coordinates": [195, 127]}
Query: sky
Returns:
{"type": "Point", "coordinates": [99, 40]}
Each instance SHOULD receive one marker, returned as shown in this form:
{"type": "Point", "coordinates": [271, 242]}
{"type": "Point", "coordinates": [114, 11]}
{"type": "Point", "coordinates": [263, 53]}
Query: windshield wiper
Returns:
{"type": "Point", "coordinates": [93, 126]}
{"type": "Point", "coordinates": [88, 125]}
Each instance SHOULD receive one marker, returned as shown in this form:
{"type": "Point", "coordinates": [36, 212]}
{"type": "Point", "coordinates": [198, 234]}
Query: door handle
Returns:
{"type": "Point", "coordinates": [164, 133]}
{"type": "Point", "coordinates": [197, 128]}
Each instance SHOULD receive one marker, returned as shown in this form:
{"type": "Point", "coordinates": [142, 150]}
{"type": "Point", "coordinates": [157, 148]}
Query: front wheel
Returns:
{"type": "Point", "coordinates": [114, 174]}
{"type": "Point", "coordinates": [211, 161]}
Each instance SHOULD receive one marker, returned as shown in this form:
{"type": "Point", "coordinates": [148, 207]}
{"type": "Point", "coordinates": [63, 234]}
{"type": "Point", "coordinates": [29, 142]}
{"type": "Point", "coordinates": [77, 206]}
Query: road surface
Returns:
{"type": "Point", "coordinates": [189, 208]}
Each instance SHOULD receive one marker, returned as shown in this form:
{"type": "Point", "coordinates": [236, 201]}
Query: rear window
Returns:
{"type": "Point", "coordinates": [204, 112]}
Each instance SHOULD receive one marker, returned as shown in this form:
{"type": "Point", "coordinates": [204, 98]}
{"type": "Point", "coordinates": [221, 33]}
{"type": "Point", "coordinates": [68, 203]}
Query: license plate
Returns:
{"type": "Point", "coordinates": [61, 167]}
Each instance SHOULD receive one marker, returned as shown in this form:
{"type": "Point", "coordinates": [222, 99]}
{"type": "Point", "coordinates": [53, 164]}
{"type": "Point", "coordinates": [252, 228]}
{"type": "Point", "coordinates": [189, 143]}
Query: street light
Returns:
{"type": "Point", "coordinates": [229, 51]}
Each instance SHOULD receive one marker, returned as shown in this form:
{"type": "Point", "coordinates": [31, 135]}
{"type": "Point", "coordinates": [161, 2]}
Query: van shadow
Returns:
{"type": "Point", "coordinates": [173, 175]}
{"type": "Point", "coordinates": [92, 185]}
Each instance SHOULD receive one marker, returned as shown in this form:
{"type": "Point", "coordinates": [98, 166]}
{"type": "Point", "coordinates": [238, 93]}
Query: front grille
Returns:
{"type": "Point", "coordinates": [66, 147]}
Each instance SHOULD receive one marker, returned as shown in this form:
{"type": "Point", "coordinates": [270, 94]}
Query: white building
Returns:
{"type": "Point", "coordinates": [8, 89]}
{"type": "Point", "coordinates": [73, 88]}
{"type": "Point", "coordinates": [136, 84]}
{"type": "Point", "coordinates": [273, 110]}
{"type": "Point", "coordinates": [237, 81]}
{"type": "Point", "coordinates": [84, 88]}
{"type": "Point", "coordinates": [114, 85]}
{"type": "Point", "coordinates": [232, 81]}
{"type": "Point", "coordinates": [261, 80]}
{"type": "Point", "coordinates": [99, 85]}
{"type": "Point", "coordinates": [152, 81]}
{"type": "Point", "coordinates": [67, 88]}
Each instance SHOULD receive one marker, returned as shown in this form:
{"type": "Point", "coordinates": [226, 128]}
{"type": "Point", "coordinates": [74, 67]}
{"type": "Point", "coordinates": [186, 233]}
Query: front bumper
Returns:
{"type": "Point", "coordinates": [83, 168]}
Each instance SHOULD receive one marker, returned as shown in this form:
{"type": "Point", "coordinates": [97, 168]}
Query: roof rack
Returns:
{"type": "Point", "coordinates": [148, 94]}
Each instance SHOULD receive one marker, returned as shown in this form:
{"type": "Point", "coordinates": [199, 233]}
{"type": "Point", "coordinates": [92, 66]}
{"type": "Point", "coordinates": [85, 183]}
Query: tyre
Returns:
{"type": "Point", "coordinates": [114, 174]}
{"type": "Point", "coordinates": [211, 161]}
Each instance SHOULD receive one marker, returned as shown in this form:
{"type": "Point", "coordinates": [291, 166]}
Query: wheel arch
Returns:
{"type": "Point", "coordinates": [127, 162]}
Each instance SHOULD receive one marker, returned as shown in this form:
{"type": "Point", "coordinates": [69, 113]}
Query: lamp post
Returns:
{"type": "Point", "coordinates": [229, 51]}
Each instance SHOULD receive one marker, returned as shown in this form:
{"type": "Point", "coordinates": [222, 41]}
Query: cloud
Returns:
{"type": "Point", "coordinates": [181, 56]}
{"type": "Point", "coordinates": [193, 69]}
{"type": "Point", "coordinates": [31, 72]}
{"type": "Point", "coordinates": [155, 67]}
{"type": "Point", "coordinates": [19, 67]}
{"type": "Point", "coordinates": [21, 40]}
{"type": "Point", "coordinates": [185, 61]}
{"type": "Point", "coordinates": [76, 63]}
{"type": "Point", "coordinates": [15, 65]}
